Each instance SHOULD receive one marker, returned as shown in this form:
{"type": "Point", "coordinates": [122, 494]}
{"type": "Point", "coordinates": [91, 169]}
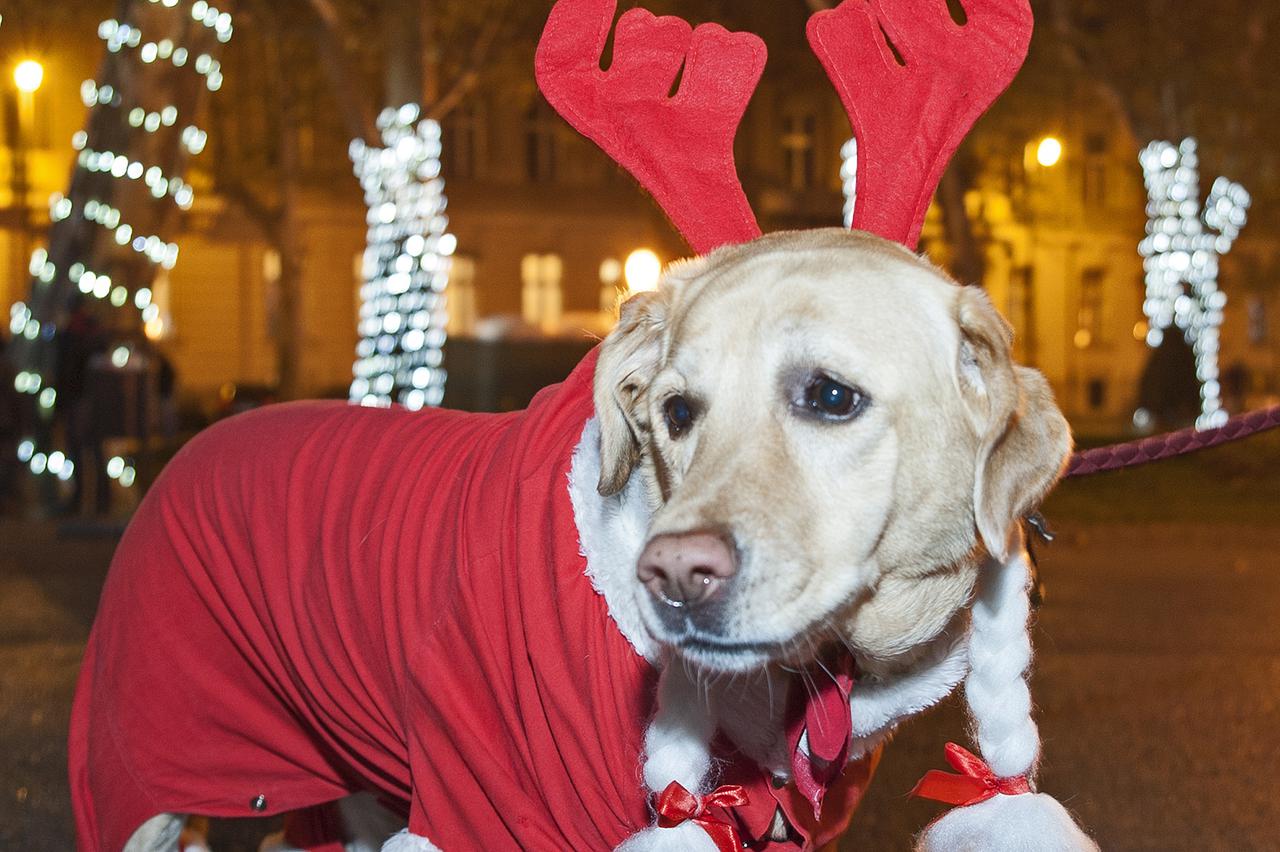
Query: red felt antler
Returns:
{"type": "Point", "coordinates": [909, 118]}
{"type": "Point", "coordinates": [680, 148]}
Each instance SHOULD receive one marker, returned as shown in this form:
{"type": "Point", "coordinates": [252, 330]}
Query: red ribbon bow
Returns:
{"type": "Point", "coordinates": [976, 783]}
{"type": "Point", "coordinates": [676, 805]}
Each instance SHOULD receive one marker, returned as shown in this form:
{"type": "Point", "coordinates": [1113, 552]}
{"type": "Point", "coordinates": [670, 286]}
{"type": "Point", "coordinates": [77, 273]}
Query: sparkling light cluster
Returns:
{"type": "Point", "coordinates": [405, 266]}
{"type": "Point", "coordinates": [161, 254]}
{"type": "Point", "coordinates": [119, 36]}
{"type": "Point", "coordinates": [849, 178]}
{"type": "Point", "coordinates": [1180, 256]}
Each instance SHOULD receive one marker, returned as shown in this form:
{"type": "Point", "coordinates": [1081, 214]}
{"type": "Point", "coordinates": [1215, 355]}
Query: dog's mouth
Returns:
{"type": "Point", "coordinates": [700, 636]}
{"type": "Point", "coordinates": [717, 654]}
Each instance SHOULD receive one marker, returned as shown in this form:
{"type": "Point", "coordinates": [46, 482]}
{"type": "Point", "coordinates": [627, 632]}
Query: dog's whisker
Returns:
{"type": "Point", "coordinates": [822, 666]}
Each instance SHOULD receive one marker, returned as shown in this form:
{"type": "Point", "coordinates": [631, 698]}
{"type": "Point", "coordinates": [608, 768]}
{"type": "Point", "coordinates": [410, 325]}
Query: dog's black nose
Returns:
{"type": "Point", "coordinates": [685, 569]}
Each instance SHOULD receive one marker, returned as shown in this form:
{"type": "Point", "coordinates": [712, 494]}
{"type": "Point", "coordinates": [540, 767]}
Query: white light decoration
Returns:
{"type": "Point", "coordinates": [119, 166]}
{"type": "Point", "coordinates": [1180, 257]}
{"type": "Point", "coordinates": [162, 255]}
{"type": "Point", "coordinates": [406, 264]}
{"type": "Point", "coordinates": [118, 36]}
{"type": "Point", "coordinates": [849, 178]}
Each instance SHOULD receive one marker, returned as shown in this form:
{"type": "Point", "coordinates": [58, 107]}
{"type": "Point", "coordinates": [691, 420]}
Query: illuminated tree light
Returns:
{"type": "Point", "coordinates": [406, 264]}
{"type": "Point", "coordinates": [849, 178]}
{"type": "Point", "coordinates": [118, 37]}
{"type": "Point", "coordinates": [1180, 258]}
{"type": "Point", "coordinates": [120, 166]}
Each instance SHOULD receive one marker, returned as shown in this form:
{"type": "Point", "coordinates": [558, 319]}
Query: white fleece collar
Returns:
{"type": "Point", "coordinates": [611, 533]}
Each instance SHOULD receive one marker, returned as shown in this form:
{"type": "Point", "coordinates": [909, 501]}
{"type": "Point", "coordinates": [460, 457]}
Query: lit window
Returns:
{"type": "Point", "coordinates": [1089, 316]}
{"type": "Point", "coordinates": [1257, 309]}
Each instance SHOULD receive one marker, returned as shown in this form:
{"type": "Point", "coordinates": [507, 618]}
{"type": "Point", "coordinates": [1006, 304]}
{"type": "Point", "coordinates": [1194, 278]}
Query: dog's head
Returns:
{"type": "Point", "coordinates": [835, 436]}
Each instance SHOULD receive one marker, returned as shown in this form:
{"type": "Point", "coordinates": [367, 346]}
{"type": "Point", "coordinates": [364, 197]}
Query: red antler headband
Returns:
{"type": "Point", "coordinates": [908, 117]}
{"type": "Point", "coordinates": [680, 148]}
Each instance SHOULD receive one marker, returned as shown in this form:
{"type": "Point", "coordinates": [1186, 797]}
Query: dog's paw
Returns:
{"type": "Point", "coordinates": [404, 841]}
{"type": "Point", "coordinates": [686, 837]}
{"type": "Point", "coordinates": [275, 842]}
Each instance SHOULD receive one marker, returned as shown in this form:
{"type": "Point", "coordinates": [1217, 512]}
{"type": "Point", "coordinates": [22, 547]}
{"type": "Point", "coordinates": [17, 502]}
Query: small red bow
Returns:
{"type": "Point", "coordinates": [976, 783]}
{"type": "Point", "coordinates": [676, 805]}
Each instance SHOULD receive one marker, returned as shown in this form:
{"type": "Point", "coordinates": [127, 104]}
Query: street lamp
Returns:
{"type": "Point", "coordinates": [1049, 151]}
{"type": "Point", "coordinates": [28, 75]}
{"type": "Point", "coordinates": [642, 270]}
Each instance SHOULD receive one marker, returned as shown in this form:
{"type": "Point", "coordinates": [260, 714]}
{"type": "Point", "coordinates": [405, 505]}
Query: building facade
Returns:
{"type": "Point", "coordinates": [1057, 243]}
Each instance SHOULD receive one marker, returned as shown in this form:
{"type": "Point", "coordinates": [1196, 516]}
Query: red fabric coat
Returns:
{"type": "Point", "coordinates": [317, 598]}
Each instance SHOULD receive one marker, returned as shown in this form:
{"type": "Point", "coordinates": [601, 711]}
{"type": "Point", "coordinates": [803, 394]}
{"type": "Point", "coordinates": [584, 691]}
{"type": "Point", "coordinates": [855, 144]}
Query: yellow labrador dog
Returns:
{"type": "Point", "coordinates": [812, 442]}
{"type": "Point", "coordinates": [827, 440]}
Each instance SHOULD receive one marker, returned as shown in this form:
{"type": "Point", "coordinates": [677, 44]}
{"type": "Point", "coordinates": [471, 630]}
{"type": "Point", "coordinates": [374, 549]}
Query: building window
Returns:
{"type": "Point", "coordinates": [1257, 310]}
{"type": "Point", "coordinates": [1095, 170]}
{"type": "Point", "coordinates": [1089, 316]}
{"type": "Point", "coordinates": [541, 135]}
{"type": "Point", "coordinates": [1097, 392]}
{"type": "Point", "coordinates": [799, 151]}
{"type": "Point", "coordinates": [460, 143]}
{"type": "Point", "coordinates": [1020, 309]}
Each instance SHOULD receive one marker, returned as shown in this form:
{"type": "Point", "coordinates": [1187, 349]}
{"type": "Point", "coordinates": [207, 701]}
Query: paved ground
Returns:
{"type": "Point", "coordinates": [1158, 683]}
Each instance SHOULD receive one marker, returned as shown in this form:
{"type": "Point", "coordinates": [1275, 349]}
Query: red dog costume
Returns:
{"type": "Point", "coordinates": [315, 599]}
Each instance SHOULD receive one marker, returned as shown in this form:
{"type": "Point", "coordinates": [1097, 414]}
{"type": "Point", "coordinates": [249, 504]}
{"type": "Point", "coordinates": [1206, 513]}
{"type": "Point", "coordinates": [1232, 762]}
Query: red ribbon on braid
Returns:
{"type": "Point", "coordinates": [676, 805]}
{"type": "Point", "coordinates": [975, 783]}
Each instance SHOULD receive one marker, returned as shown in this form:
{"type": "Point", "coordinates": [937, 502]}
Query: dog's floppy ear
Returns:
{"type": "Point", "coordinates": [1024, 440]}
{"type": "Point", "coordinates": [629, 360]}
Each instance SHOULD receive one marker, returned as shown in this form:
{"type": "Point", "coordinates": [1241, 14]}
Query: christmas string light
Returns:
{"type": "Point", "coordinates": [849, 178]}
{"type": "Point", "coordinates": [120, 166]}
{"type": "Point", "coordinates": [118, 36]}
{"type": "Point", "coordinates": [405, 266]}
{"type": "Point", "coordinates": [161, 254]}
{"type": "Point", "coordinates": [1180, 258]}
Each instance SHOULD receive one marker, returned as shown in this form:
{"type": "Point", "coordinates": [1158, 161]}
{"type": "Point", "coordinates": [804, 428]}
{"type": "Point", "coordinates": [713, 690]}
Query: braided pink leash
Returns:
{"type": "Point", "coordinates": [1172, 444]}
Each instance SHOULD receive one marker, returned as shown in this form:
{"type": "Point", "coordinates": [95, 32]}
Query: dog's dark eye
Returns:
{"type": "Point", "coordinates": [830, 399]}
{"type": "Point", "coordinates": [679, 415]}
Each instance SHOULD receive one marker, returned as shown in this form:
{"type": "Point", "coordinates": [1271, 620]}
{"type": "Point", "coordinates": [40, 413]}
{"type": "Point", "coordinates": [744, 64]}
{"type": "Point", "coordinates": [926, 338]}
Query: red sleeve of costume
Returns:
{"type": "Point", "coordinates": [316, 598]}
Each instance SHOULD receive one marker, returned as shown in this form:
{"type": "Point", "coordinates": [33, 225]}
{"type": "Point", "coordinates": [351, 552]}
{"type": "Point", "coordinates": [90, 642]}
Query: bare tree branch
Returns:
{"type": "Point", "coordinates": [1077, 50]}
{"type": "Point", "coordinates": [467, 79]}
{"type": "Point", "coordinates": [337, 62]}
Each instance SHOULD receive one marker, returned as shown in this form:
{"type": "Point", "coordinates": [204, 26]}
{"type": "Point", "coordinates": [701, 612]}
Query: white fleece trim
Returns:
{"type": "Point", "coordinates": [685, 837]}
{"type": "Point", "coordinates": [611, 533]}
{"type": "Point", "coordinates": [404, 841]}
{"type": "Point", "coordinates": [877, 707]}
{"type": "Point", "coordinates": [1031, 822]}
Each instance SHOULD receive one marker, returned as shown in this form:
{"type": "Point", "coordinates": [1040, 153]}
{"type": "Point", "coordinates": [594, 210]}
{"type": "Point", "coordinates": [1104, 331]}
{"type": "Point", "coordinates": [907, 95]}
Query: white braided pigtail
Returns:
{"type": "Point", "coordinates": [999, 656]}
{"type": "Point", "coordinates": [1000, 705]}
{"type": "Point", "coordinates": [677, 748]}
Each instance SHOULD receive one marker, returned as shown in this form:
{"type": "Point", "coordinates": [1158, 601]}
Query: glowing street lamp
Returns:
{"type": "Point", "coordinates": [642, 270]}
{"type": "Point", "coordinates": [1049, 152]}
{"type": "Point", "coordinates": [28, 76]}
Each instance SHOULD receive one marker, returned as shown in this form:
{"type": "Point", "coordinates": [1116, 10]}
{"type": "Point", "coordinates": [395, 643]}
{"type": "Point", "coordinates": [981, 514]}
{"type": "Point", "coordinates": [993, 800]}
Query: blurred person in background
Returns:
{"type": "Point", "coordinates": [81, 340]}
{"type": "Point", "coordinates": [10, 427]}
